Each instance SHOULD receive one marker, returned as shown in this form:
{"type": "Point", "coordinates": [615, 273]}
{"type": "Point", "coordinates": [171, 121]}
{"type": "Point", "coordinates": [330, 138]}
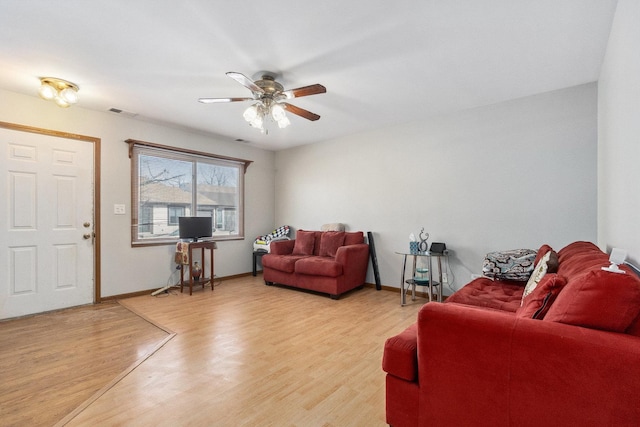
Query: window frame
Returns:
{"type": "Point", "coordinates": [137, 147]}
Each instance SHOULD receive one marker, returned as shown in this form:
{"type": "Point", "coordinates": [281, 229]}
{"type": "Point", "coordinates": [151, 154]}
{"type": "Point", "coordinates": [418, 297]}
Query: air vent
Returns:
{"type": "Point", "coordinates": [122, 112]}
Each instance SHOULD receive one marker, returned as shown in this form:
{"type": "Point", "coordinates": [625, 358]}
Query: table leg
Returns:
{"type": "Point", "coordinates": [181, 277]}
{"type": "Point", "coordinates": [403, 299]}
{"type": "Point", "coordinates": [413, 277]}
{"type": "Point", "coordinates": [441, 283]}
{"type": "Point", "coordinates": [212, 269]}
{"type": "Point", "coordinates": [254, 264]}
{"type": "Point", "coordinates": [430, 278]}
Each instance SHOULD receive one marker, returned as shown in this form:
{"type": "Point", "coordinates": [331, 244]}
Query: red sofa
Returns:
{"type": "Point", "coordinates": [331, 262]}
{"type": "Point", "coordinates": [481, 359]}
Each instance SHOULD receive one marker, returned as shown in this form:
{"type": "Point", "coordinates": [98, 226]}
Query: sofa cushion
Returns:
{"type": "Point", "coordinates": [319, 266]}
{"type": "Point", "coordinates": [598, 300]}
{"type": "Point", "coordinates": [578, 258]}
{"type": "Point", "coordinates": [484, 292]}
{"type": "Point", "coordinates": [400, 357]}
{"type": "Point", "coordinates": [553, 263]}
{"type": "Point", "coordinates": [330, 241]}
{"type": "Point", "coordinates": [634, 328]}
{"type": "Point", "coordinates": [285, 263]}
{"type": "Point", "coordinates": [332, 226]}
{"type": "Point", "coordinates": [538, 273]}
{"type": "Point", "coordinates": [305, 242]}
{"type": "Point", "coordinates": [541, 252]}
{"type": "Point", "coordinates": [536, 303]}
{"type": "Point", "coordinates": [548, 263]}
{"type": "Point", "coordinates": [353, 237]}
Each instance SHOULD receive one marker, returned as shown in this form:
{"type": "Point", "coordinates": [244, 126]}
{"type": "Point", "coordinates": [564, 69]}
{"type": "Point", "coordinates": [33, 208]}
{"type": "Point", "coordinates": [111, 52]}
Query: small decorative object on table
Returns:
{"type": "Point", "coordinates": [196, 271]}
{"type": "Point", "coordinates": [424, 246]}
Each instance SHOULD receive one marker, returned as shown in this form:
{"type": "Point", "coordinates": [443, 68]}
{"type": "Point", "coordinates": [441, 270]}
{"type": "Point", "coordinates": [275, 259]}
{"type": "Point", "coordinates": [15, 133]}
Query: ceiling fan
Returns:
{"type": "Point", "coordinates": [271, 99]}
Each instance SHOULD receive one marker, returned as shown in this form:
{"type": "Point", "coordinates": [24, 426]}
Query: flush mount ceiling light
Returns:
{"type": "Point", "coordinates": [60, 91]}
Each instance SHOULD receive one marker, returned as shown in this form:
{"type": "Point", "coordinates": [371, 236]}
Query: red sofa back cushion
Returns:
{"type": "Point", "coordinates": [330, 241]}
{"type": "Point", "coordinates": [580, 257]}
{"type": "Point", "coordinates": [311, 242]}
{"type": "Point", "coordinates": [305, 243]}
{"type": "Point", "coordinates": [598, 300]}
{"type": "Point", "coordinates": [353, 237]}
{"type": "Point", "coordinates": [595, 298]}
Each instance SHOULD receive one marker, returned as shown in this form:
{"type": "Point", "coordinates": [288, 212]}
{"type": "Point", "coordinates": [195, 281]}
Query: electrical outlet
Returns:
{"type": "Point", "coordinates": [119, 209]}
{"type": "Point", "coordinates": [445, 277]}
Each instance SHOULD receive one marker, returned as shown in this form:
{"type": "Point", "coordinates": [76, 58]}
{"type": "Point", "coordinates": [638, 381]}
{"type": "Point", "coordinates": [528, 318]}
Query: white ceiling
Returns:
{"type": "Point", "coordinates": [382, 62]}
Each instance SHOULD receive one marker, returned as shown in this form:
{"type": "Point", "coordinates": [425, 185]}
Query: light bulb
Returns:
{"type": "Point", "coordinates": [69, 95]}
{"type": "Point", "coordinates": [47, 91]}
{"type": "Point", "coordinates": [283, 122]}
{"type": "Point", "coordinates": [250, 113]}
{"type": "Point", "coordinates": [257, 122]}
{"type": "Point", "coordinates": [61, 102]}
{"type": "Point", "coordinates": [277, 112]}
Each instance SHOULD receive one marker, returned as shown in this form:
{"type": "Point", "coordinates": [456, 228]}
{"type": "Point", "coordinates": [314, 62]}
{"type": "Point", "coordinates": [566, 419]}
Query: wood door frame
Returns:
{"type": "Point", "coordinates": [96, 190]}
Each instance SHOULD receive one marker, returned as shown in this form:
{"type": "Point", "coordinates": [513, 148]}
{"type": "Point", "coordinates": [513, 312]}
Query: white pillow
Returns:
{"type": "Point", "coordinates": [538, 273]}
{"type": "Point", "coordinates": [334, 226]}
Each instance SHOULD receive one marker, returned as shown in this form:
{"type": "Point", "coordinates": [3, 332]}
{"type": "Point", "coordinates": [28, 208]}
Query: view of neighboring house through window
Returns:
{"type": "Point", "coordinates": [168, 184]}
{"type": "Point", "coordinates": [175, 212]}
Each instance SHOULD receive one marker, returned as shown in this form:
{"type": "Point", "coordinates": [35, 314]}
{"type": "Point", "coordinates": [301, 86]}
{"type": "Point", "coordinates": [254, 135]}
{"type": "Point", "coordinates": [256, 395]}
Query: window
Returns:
{"type": "Point", "coordinates": [168, 183]}
{"type": "Point", "coordinates": [174, 213]}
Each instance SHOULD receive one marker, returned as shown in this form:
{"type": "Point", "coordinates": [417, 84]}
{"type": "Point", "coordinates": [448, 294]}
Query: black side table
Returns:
{"type": "Point", "coordinates": [257, 254]}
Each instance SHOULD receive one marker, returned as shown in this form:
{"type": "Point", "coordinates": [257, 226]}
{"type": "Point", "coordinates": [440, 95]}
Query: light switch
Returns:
{"type": "Point", "coordinates": [119, 209]}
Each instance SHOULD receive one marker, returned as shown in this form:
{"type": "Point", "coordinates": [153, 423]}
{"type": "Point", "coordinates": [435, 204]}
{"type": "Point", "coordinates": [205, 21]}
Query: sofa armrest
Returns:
{"type": "Point", "coordinates": [354, 260]}
{"type": "Point", "coordinates": [350, 254]}
{"type": "Point", "coordinates": [527, 371]}
{"type": "Point", "coordinates": [400, 356]}
{"type": "Point", "coordinates": [282, 247]}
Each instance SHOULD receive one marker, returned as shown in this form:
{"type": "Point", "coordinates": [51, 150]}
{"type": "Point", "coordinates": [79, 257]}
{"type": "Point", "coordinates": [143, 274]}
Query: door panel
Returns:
{"type": "Point", "coordinates": [47, 249]}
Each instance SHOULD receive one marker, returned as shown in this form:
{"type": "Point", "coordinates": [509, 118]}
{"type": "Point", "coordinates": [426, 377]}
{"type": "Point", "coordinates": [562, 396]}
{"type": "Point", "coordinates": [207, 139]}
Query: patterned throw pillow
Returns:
{"type": "Point", "coordinates": [538, 273]}
{"type": "Point", "coordinates": [277, 234]}
{"type": "Point", "coordinates": [515, 264]}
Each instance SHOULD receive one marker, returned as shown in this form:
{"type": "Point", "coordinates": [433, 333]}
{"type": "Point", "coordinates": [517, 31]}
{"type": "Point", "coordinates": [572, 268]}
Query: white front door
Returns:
{"type": "Point", "coordinates": [46, 223]}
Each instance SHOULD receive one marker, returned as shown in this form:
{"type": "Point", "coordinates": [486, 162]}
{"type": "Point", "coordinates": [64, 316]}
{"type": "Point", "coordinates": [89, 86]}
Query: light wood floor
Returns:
{"type": "Point", "coordinates": [53, 363]}
{"type": "Point", "coordinates": [252, 355]}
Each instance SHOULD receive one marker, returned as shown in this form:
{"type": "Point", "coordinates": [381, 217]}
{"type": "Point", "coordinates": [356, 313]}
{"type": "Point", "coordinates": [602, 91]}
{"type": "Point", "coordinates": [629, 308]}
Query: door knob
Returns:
{"type": "Point", "coordinates": [86, 236]}
{"type": "Point", "coordinates": [87, 224]}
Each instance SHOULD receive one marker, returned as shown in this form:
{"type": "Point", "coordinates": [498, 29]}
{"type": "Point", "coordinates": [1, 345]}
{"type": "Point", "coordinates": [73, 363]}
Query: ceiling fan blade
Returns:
{"type": "Point", "coordinates": [245, 81]}
{"type": "Point", "coordinates": [305, 91]}
{"type": "Point", "coordinates": [300, 112]}
{"type": "Point", "coordinates": [219, 100]}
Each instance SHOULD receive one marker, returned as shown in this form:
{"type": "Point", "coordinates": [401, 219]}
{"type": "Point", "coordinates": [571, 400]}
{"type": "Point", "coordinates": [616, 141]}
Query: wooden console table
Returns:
{"type": "Point", "coordinates": [203, 279]}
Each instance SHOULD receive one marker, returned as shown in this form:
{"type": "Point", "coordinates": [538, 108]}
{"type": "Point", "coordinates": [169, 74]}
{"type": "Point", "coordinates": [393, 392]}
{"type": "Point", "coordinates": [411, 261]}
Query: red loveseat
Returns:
{"type": "Point", "coordinates": [481, 358]}
{"type": "Point", "coordinates": [331, 262]}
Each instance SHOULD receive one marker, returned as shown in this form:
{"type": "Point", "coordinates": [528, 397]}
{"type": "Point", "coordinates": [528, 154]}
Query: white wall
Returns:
{"type": "Point", "coordinates": [515, 174]}
{"type": "Point", "coordinates": [619, 135]}
{"type": "Point", "coordinates": [512, 175]}
{"type": "Point", "coordinates": [126, 269]}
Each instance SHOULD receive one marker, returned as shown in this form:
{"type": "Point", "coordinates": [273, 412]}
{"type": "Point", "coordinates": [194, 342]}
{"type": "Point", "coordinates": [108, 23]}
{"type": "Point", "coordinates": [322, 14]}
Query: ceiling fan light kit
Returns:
{"type": "Point", "coordinates": [270, 96]}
